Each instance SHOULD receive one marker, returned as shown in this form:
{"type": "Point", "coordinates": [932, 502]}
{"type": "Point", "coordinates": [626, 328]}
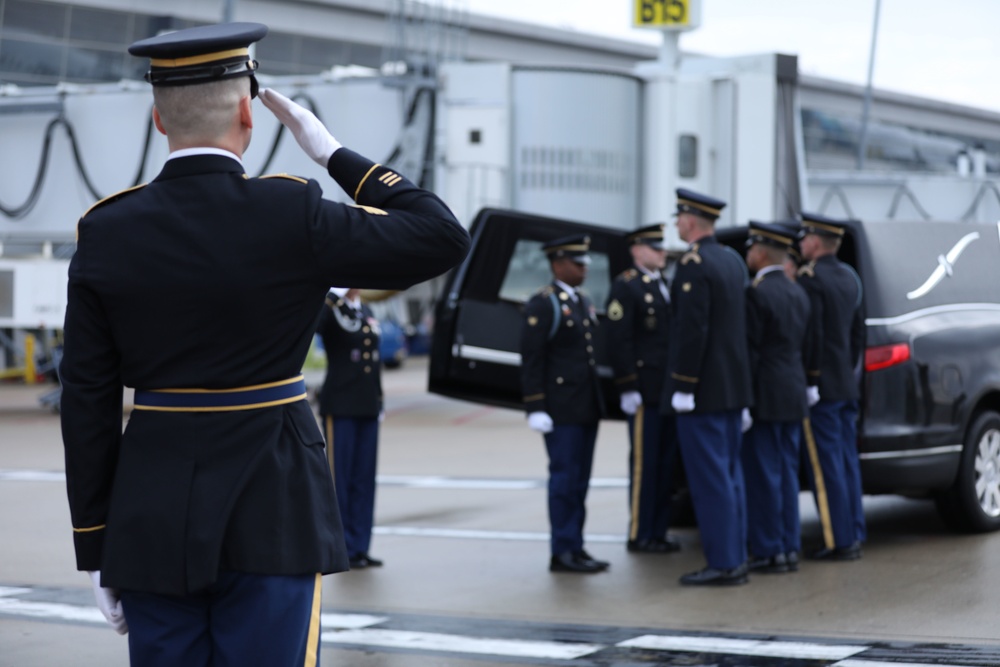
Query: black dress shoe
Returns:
{"type": "Point", "coordinates": [711, 577]}
{"type": "Point", "coordinates": [361, 561]}
{"type": "Point", "coordinates": [850, 552]}
{"type": "Point", "coordinates": [583, 556]}
{"type": "Point", "coordinates": [769, 564]}
{"type": "Point", "coordinates": [793, 561]}
{"type": "Point", "coordinates": [568, 562]}
{"type": "Point", "coordinates": [653, 546]}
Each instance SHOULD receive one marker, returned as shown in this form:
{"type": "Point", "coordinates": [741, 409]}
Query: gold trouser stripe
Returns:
{"type": "Point", "coordinates": [636, 470]}
{"type": "Point", "coordinates": [824, 507]}
{"type": "Point", "coordinates": [90, 530]}
{"type": "Point", "coordinates": [358, 191]}
{"type": "Point", "coordinates": [312, 639]}
{"type": "Point", "coordinates": [198, 60]}
{"type": "Point", "coordinates": [329, 444]}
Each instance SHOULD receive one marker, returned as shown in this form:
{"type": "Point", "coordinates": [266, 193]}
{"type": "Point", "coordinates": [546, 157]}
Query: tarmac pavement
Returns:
{"type": "Point", "coordinates": [461, 524]}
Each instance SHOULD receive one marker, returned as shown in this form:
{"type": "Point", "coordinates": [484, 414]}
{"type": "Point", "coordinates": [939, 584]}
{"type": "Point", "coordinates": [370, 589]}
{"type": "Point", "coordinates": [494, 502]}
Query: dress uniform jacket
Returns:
{"type": "Point", "coordinates": [353, 384]}
{"type": "Point", "coordinates": [837, 328]}
{"type": "Point", "coordinates": [558, 369]}
{"type": "Point", "coordinates": [638, 333]}
{"type": "Point", "coordinates": [206, 278]}
{"type": "Point", "coordinates": [709, 344]}
{"type": "Point", "coordinates": [777, 318]}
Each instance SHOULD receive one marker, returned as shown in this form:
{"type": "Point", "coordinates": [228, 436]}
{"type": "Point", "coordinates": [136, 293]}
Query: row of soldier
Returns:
{"type": "Point", "coordinates": [736, 379]}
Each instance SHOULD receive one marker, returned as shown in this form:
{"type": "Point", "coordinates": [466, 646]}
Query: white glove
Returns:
{"type": "Point", "coordinates": [307, 129]}
{"type": "Point", "coordinates": [682, 401]}
{"type": "Point", "coordinates": [812, 395]}
{"type": "Point", "coordinates": [109, 603]}
{"type": "Point", "coordinates": [381, 416]}
{"type": "Point", "coordinates": [540, 421]}
{"type": "Point", "coordinates": [746, 421]}
{"type": "Point", "coordinates": [630, 402]}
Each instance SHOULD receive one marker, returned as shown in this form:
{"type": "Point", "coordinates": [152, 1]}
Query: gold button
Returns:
{"type": "Point", "coordinates": [366, 329]}
{"type": "Point", "coordinates": [368, 341]}
{"type": "Point", "coordinates": [645, 279]}
{"type": "Point", "coordinates": [639, 363]}
{"type": "Point", "coordinates": [368, 369]}
{"type": "Point", "coordinates": [559, 380]}
{"type": "Point", "coordinates": [590, 348]}
{"type": "Point", "coordinates": [367, 355]}
{"type": "Point", "coordinates": [586, 323]}
{"type": "Point", "coordinates": [592, 362]}
{"type": "Point", "coordinates": [569, 323]}
{"type": "Point", "coordinates": [588, 335]}
{"type": "Point", "coordinates": [652, 311]}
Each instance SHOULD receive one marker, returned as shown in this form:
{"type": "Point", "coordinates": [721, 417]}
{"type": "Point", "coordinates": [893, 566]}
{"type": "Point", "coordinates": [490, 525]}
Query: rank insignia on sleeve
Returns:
{"type": "Point", "coordinates": [686, 287]}
{"type": "Point", "coordinates": [532, 321]}
{"type": "Point", "coordinates": [615, 311]}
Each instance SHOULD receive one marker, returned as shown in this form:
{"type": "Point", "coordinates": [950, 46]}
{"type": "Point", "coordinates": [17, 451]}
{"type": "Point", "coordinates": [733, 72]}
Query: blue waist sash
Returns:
{"type": "Point", "coordinates": [222, 400]}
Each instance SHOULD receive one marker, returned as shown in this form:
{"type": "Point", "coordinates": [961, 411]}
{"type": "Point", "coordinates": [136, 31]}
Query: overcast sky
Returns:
{"type": "Point", "coordinates": [944, 49]}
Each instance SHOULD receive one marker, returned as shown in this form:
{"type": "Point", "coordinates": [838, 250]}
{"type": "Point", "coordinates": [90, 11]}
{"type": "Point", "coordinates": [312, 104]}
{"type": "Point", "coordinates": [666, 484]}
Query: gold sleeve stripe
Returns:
{"type": "Point", "coordinates": [358, 191]}
{"type": "Point", "coordinates": [627, 378]}
{"type": "Point", "coordinates": [683, 378]}
{"type": "Point", "coordinates": [90, 530]}
{"type": "Point", "coordinates": [534, 397]}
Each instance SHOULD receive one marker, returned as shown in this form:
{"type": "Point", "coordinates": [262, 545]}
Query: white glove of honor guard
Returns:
{"type": "Point", "coordinates": [307, 129]}
{"type": "Point", "coordinates": [540, 421]}
{"type": "Point", "coordinates": [109, 603]}
{"type": "Point", "coordinates": [682, 401]}
{"type": "Point", "coordinates": [630, 402]}
{"type": "Point", "coordinates": [812, 395]}
{"type": "Point", "coordinates": [746, 421]}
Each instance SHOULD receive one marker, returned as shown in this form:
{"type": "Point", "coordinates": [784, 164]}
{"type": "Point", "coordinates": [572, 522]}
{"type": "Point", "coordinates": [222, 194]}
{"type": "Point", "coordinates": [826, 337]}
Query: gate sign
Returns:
{"type": "Point", "coordinates": [667, 14]}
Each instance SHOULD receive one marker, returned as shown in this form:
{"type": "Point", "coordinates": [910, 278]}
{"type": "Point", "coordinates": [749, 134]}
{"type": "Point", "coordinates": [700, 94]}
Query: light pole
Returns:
{"type": "Point", "coordinates": [863, 139]}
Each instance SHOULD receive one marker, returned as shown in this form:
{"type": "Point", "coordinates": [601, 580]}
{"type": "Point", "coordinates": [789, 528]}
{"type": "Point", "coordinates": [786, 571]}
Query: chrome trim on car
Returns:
{"type": "Point", "coordinates": [917, 314]}
{"type": "Point", "coordinates": [910, 453]}
{"type": "Point", "coordinates": [473, 353]}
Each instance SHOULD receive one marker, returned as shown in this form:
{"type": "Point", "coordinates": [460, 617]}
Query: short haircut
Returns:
{"type": "Point", "coordinates": [200, 112]}
{"type": "Point", "coordinates": [830, 242]}
{"type": "Point", "coordinates": [774, 254]}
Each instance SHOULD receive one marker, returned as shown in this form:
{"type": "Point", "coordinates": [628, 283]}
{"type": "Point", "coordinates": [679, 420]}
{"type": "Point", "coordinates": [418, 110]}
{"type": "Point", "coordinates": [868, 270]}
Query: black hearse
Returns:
{"type": "Point", "coordinates": [930, 377]}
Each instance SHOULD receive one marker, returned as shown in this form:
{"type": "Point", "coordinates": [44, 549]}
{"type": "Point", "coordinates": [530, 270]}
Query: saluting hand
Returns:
{"type": "Point", "coordinates": [307, 129]}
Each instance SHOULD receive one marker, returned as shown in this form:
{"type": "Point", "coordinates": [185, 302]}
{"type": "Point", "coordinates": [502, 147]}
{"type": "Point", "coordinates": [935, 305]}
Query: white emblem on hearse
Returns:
{"type": "Point", "coordinates": [945, 267]}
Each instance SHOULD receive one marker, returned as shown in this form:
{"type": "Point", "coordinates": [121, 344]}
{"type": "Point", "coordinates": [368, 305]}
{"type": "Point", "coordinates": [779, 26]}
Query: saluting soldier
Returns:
{"type": "Point", "coordinates": [835, 296]}
{"type": "Point", "coordinates": [710, 380]}
{"type": "Point", "coordinates": [350, 404]}
{"type": "Point", "coordinates": [562, 396]}
{"type": "Point", "coordinates": [639, 322]}
{"type": "Point", "coordinates": [214, 514]}
{"type": "Point", "coordinates": [777, 317]}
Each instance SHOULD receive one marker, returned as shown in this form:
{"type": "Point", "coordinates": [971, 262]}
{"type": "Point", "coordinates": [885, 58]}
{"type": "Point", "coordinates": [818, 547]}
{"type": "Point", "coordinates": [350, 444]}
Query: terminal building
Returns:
{"type": "Point", "coordinates": [486, 112]}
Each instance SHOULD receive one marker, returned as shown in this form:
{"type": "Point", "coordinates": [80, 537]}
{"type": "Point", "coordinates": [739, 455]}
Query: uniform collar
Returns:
{"type": "Point", "coordinates": [203, 150]}
{"type": "Point", "coordinates": [180, 166]}
{"type": "Point", "coordinates": [565, 288]}
{"type": "Point", "coordinates": [770, 269]}
{"type": "Point", "coordinates": [655, 275]}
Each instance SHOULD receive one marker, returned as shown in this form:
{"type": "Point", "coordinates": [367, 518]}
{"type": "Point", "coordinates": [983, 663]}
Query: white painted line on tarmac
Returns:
{"type": "Point", "coordinates": [453, 483]}
{"type": "Point", "coordinates": [6, 592]}
{"type": "Point", "coordinates": [758, 648]}
{"type": "Point", "coordinates": [432, 641]}
{"type": "Point", "coordinates": [453, 533]}
{"type": "Point", "coordinates": [31, 476]}
{"type": "Point", "coordinates": [349, 621]}
{"type": "Point", "coordinates": [878, 663]}
{"type": "Point", "coordinates": [51, 610]}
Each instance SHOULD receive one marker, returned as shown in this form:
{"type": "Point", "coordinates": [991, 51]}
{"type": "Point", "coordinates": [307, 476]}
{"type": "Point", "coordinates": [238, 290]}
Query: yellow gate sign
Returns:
{"type": "Point", "coordinates": [670, 14]}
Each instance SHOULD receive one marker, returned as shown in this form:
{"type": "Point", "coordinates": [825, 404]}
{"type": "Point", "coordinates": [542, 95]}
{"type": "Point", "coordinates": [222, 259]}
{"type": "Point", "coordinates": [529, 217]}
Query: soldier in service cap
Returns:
{"type": "Point", "coordinates": [562, 396]}
{"type": "Point", "coordinates": [837, 334]}
{"type": "Point", "coordinates": [710, 386]}
{"type": "Point", "coordinates": [777, 317]}
{"type": "Point", "coordinates": [207, 524]}
{"type": "Point", "coordinates": [638, 332]}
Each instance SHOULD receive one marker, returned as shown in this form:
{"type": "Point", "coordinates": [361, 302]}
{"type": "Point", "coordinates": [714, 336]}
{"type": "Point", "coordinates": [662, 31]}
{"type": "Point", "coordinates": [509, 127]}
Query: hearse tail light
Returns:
{"type": "Point", "coordinates": [884, 356]}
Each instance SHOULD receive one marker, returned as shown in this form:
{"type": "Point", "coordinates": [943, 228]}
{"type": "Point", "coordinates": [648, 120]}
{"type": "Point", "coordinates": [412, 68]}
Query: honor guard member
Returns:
{"type": "Point", "coordinates": [837, 328]}
{"type": "Point", "coordinates": [638, 333]}
{"type": "Point", "coordinates": [777, 317]}
{"type": "Point", "coordinates": [350, 404]}
{"type": "Point", "coordinates": [710, 385]}
{"type": "Point", "coordinates": [213, 515]}
{"type": "Point", "coordinates": [562, 395]}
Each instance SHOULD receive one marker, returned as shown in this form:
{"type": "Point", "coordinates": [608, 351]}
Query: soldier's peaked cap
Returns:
{"type": "Point", "coordinates": [772, 234]}
{"type": "Point", "coordinates": [574, 247]}
{"type": "Point", "coordinates": [201, 55]}
{"type": "Point", "coordinates": [814, 223]}
{"type": "Point", "coordinates": [651, 235]}
{"type": "Point", "coordinates": [689, 201]}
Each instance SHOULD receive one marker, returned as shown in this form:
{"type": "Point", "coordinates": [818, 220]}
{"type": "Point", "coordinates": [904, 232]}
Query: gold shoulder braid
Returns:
{"type": "Point", "coordinates": [691, 256]}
